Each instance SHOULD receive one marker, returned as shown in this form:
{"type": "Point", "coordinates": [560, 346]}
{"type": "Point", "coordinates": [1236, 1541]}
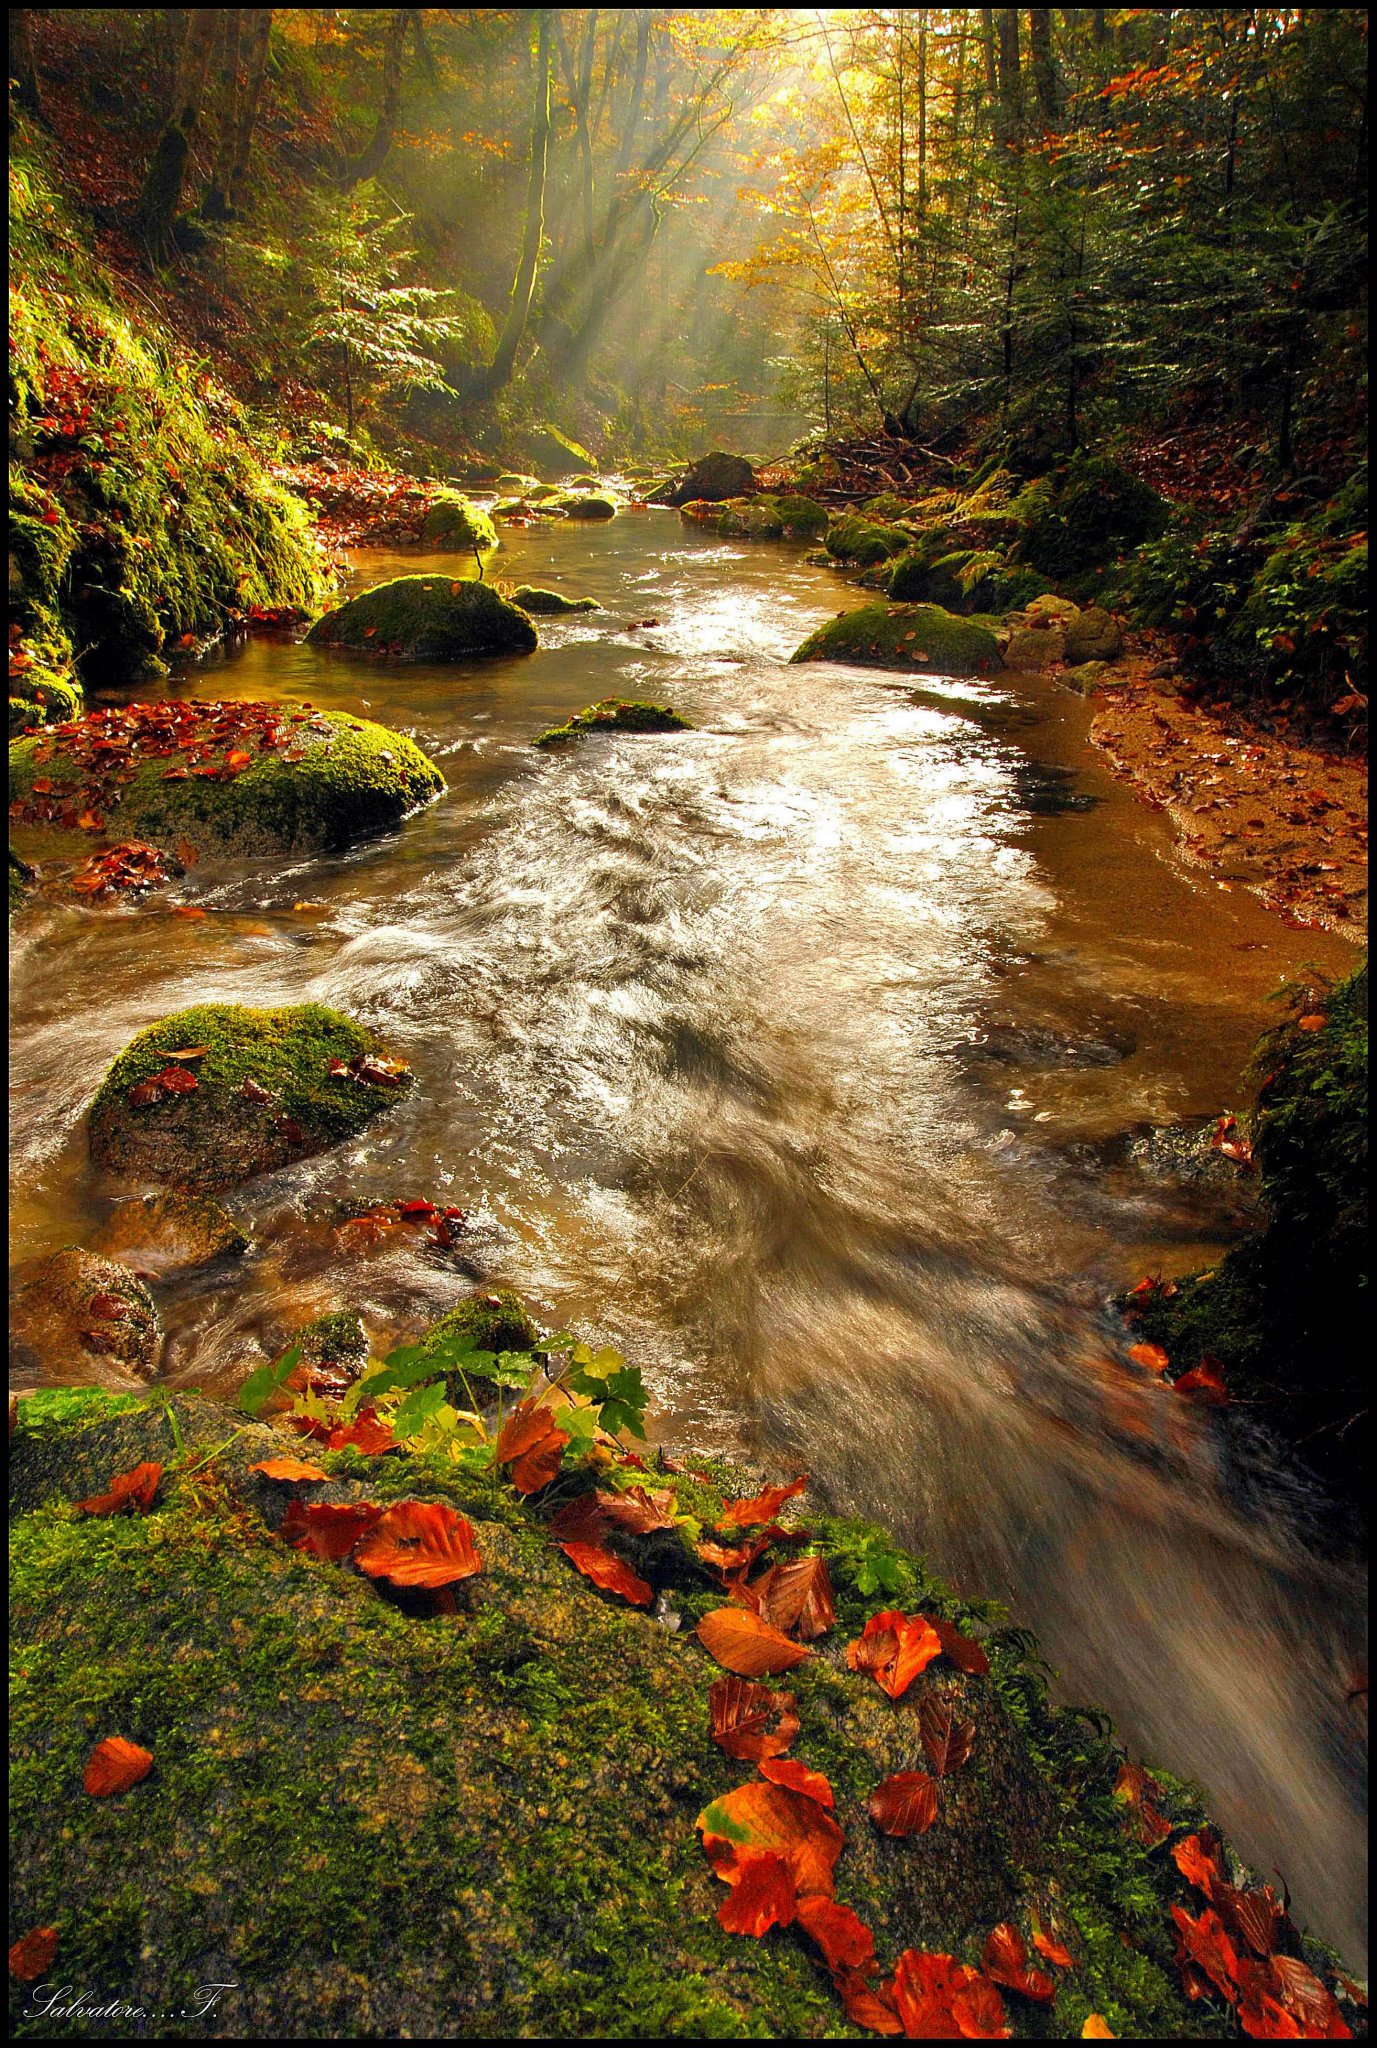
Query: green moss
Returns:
{"type": "Point", "coordinates": [337, 1338]}
{"type": "Point", "coordinates": [614, 714]}
{"type": "Point", "coordinates": [495, 1321]}
{"type": "Point", "coordinates": [959, 578]}
{"type": "Point", "coordinates": [532, 599]}
{"type": "Point", "coordinates": [786, 517]}
{"type": "Point", "coordinates": [887, 506]}
{"type": "Point", "coordinates": [864, 541]}
{"type": "Point", "coordinates": [591, 505]}
{"type": "Point", "coordinates": [453, 523]}
{"type": "Point", "coordinates": [353, 780]}
{"type": "Point", "coordinates": [217, 1135]}
{"type": "Point", "coordinates": [1076, 519]}
{"type": "Point", "coordinates": [427, 618]}
{"type": "Point", "coordinates": [920, 636]}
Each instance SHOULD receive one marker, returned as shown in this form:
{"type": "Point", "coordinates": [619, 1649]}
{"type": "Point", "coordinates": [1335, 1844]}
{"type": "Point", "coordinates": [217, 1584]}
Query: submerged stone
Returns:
{"type": "Point", "coordinates": [171, 1233]}
{"type": "Point", "coordinates": [918, 636]}
{"type": "Point", "coordinates": [586, 505]}
{"type": "Point", "coordinates": [76, 1315]}
{"type": "Point", "coordinates": [427, 618]}
{"type": "Point", "coordinates": [271, 1087]}
{"type": "Point", "coordinates": [532, 599]}
{"type": "Point", "coordinates": [614, 714]}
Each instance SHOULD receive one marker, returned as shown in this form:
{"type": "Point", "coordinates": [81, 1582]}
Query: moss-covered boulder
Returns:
{"type": "Point", "coordinates": [853, 538]}
{"type": "Point", "coordinates": [960, 578]}
{"type": "Point", "coordinates": [271, 1087]}
{"type": "Point", "coordinates": [1093, 635]}
{"type": "Point", "coordinates": [785, 517]}
{"type": "Point", "coordinates": [613, 714]}
{"type": "Point", "coordinates": [369, 1817]}
{"type": "Point", "coordinates": [77, 1316]}
{"type": "Point", "coordinates": [427, 618]}
{"type": "Point", "coordinates": [586, 505]}
{"type": "Point", "coordinates": [453, 523]}
{"type": "Point", "coordinates": [887, 506]}
{"type": "Point", "coordinates": [510, 480]}
{"type": "Point", "coordinates": [1078, 518]}
{"type": "Point", "coordinates": [532, 598]}
{"type": "Point", "coordinates": [43, 697]}
{"type": "Point", "coordinates": [491, 1321]}
{"type": "Point", "coordinates": [919, 636]}
{"type": "Point", "coordinates": [170, 1233]}
{"type": "Point", "coordinates": [714, 478]}
{"type": "Point", "coordinates": [255, 778]}
{"type": "Point", "coordinates": [336, 1339]}
{"type": "Point", "coordinates": [1084, 677]}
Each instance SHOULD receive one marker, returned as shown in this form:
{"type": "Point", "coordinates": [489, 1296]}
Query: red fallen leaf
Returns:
{"type": "Point", "coordinates": [764, 1897]}
{"type": "Point", "coordinates": [580, 1520]}
{"type": "Point", "coordinates": [41, 785]}
{"type": "Point", "coordinates": [946, 1740]}
{"type": "Point", "coordinates": [1005, 1957]}
{"type": "Point", "coordinates": [786, 1770]}
{"type": "Point", "coordinates": [869, 2005]}
{"type": "Point", "coordinates": [964, 1654]}
{"type": "Point", "coordinates": [291, 1130]}
{"type": "Point", "coordinates": [1096, 2028]}
{"type": "Point", "coordinates": [1137, 1791]}
{"type": "Point", "coordinates": [796, 1596]}
{"type": "Point", "coordinates": [940, 1999]}
{"type": "Point", "coordinates": [366, 1433]}
{"type": "Point", "coordinates": [419, 1209]}
{"type": "Point", "coordinates": [378, 1072]}
{"type": "Point", "coordinates": [175, 775]}
{"type": "Point", "coordinates": [894, 1648]}
{"type": "Point", "coordinates": [134, 1489]}
{"type": "Point", "coordinates": [609, 1572]}
{"type": "Point", "coordinates": [1257, 1918]}
{"type": "Point", "coordinates": [254, 1091]}
{"type": "Point", "coordinates": [1204, 1383]}
{"type": "Point", "coordinates": [419, 1543]}
{"type": "Point", "coordinates": [329, 1531]}
{"type": "Point", "coordinates": [743, 1643]}
{"type": "Point", "coordinates": [1200, 1860]}
{"type": "Point", "coordinates": [846, 1942]}
{"type": "Point", "coordinates": [114, 1765]}
{"type": "Point", "coordinates": [238, 760]}
{"type": "Point", "coordinates": [90, 821]}
{"type": "Point", "coordinates": [32, 1954]}
{"type": "Point", "coordinates": [176, 1080]}
{"type": "Point", "coordinates": [108, 1308]}
{"type": "Point", "coordinates": [369, 631]}
{"type": "Point", "coordinates": [638, 1512]}
{"type": "Point", "coordinates": [1203, 1945]}
{"type": "Point", "coordinates": [537, 1467]}
{"type": "Point", "coordinates": [1314, 1022]}
{"type": "Point", "coordinates": [1151, 1356]}
{"type": "Point", "coordinates": [763, 1507]}
{"type": "Point", "coordinates": [757, 1818]}
{"type": "Point", "coordinates": [1052, 1951]}
{"type": "Point", "coordinates": [1302, 1994]}
{"type": "Point", "coordinates": [187, 640]}
{"type": "Point", "coordinates": [741, 1716]}
{"type": "Point", "coordinates": [904, 1805]}
{"type": "Point", "coordinates": [288, 1468]}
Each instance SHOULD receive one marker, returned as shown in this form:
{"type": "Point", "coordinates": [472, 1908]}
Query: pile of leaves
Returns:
{"type": "Point", "coordinates": [357, 507]}
{"type": "Point", "coordinates": [443, 1224]}
{"type": "Point", "coordinates": [131, 866]}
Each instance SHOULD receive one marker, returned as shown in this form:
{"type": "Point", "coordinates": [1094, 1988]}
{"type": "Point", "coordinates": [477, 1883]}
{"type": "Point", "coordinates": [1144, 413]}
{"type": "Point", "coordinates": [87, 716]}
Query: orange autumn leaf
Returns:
{"type": "Point", "coordinates": [869, 2005]}
{"type": "Point", "coordinates": [1095, 2029]}
{"type": "Point", "coordinates": [1151, 1356]}
{"type": "Point", "coordinates": [366, 1433]}
{"type": "Point", "coordinates": [940, 1999]}
{"type": "Point", "coordinates": [904, 1805]}
{"type": "Point", "coordinates": [609, 1572]}
{"type": "Point", "coordinates": [797, 1597]}
{"type": "Point", "coordinates": [524, 1428]}
{"type": "Point", "coordinates": [329, 1531]}
{"type": "Point", "coordinates": [1314, 1022]}
{"type": "Point", "coordinates": [786, 1770]}
{"type": "Point", "coordinates": [638, 1512]}
{"type": "Point", "coordinates": [894, 1648]}
{"type": "Point", "coordinates": [1204, 1383]}
{"type": "Point", "coordinates": [1052, 1951]}
{"type": "Point", "coordinates": [1257, 1918]}
{"type": "Point", "coordinates": [419, 1543]}
{"type": "Point", "coordinates": [1200, 1860]}
{"type": "Point", "coordinates": [1005, 1958]}
{"type": "Point", "coordinates": [741, 1715]}
{"type": "Point", "coordinates": [1307, 2000]}
{"type": "Point", "coordinates": [964, 1654]}
{"type": "Point", "coordinates": [845, 1941]}
{"type": "Point", "coordinates": [1137, 1791]}
{"type": "Point", "coordinates": [33, 1953]}
{"type": "Point", "coordinates": [580, 1520]}
{"type": "Point", "coordinates": [763, 1897]}
{"type": "Point", "coordinates": [947, 1739]}
{"type": "Point", "coordinates": [288, 1468]}
{"type": "Point", "coordinates": [114, 1765]}
{"type": "Point", "coordinates": [762, 1507]}
{"type": "Point", "coordinates": [760, 1817]}
{"type": "Point", "coordinates": [133, 1489]}
{"type": "Point", "coordinates": [539, 1466]}
{"type": "Point", "coordinates": [1203, 1948]}
{"type": "Point", "coordinates": [743, 1643]}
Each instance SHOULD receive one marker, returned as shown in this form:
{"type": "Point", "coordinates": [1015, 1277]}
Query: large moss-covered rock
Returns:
{"type": "Point", "coordinates": [919, 636]}
{"type": "Point", "coordinates": [614, 714]}
{"type": "Point", "coordinates": [427, 618]}
{"type": "Point", "coordinates": [491, 1321]}
{"type": "Point", "coordinates": [1093, 635]}
{"type": "Point", "coordinates": [1076, 519]}
{"type": "Point", "coordinates": [77, 1316]}
{"type": "Point", "coordinates": [960, 578]}
{"type": "Point", "coordinates": [586, 505]}
{"type": "Point", "coordinates": [452, 522]}
{"type": "Point", "coordinates": [715, 477]}
{"type": "Point", "coordinates": [371, 1817]}
{"type": "Point", "coordinates": [784, 517]}
{"type": "Point", "coordinates": [272, 1087]}
{"type": "Point", "coordinates": [254, 778]}
{"type": "Point", "coordinates": [552, 602]}
{"type": "Point", "coordinates": [864, 541]}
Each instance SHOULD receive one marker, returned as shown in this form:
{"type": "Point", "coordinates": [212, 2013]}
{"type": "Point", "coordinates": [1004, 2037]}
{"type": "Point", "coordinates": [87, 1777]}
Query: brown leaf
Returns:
{"type": "Point", "coordinates": [905, 1804]}
{"type": "Point", "coordinates": [846, 1942]}
{"type": "Point", "coordinates": [786, 1770]}
{"type": "Point", "coordinates": [797, 1597]}
{"type": "Point", "coordinates": [946, 1739]}
{"type": "Point", "coordinates": [741, 1716]}
{"type": "Point", "coordinates": [134, 1489]}
{"type": "Point", "coordinates": [288, 1468]}
{"type": "Point", "coordinates": [607, 1571]}
{"type": "Point", "coordinates": [743, 1643]}
{"type": "Point", "coordinates": [763, 1897]}
{"type": "Point", "coordinates": [639, 1512]}
{"type": "Point", "coordinates": [940, 1999]}
{"type": "Point", "coordinates": [758, 1818]}
{"type": "Point", "coordinates": [869, 2005]}
{"type": "Point", "coordinates": [419, 1543]}
{"type": "Point", "coordinates": [114, 1765]}
{"type": "Point", "coordinates": [964, 1654]}
{"type": "Point", "coordinates": [330, 1530]}
{"type": "Point", "coordinates": [1005, 1959]}
{"type": "Point", "coordinates": [33, 1953]}
{"type": "Point", "coordinates": [762, 1507]}
{"type": "Point", "coordinates": [894, 1648]}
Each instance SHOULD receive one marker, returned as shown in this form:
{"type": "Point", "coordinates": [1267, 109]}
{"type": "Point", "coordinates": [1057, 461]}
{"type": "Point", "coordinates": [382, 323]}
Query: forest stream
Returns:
{"type": "Point", "coordinates": [797, 1056]}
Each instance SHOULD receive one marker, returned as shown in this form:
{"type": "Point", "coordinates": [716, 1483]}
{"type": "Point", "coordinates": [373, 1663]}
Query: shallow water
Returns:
{"type": "Point", "coordinates": [786, 1053]}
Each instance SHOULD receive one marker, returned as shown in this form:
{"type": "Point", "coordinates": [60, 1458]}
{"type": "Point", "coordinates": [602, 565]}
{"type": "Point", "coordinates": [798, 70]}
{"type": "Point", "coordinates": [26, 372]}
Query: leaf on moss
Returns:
{"type": "Point", "coordinates": [796, 1596]}
{"type": "Point", "coordinates": [762, 1507]}
{"type": "Point", "coordinates": [894, 1648]}
{"type": "Point", "coordinates": [133, 1490]}
{"type": "Point", "coordinates": [845, 1941]}
{"type": "Point", "coordinates": [786, 1770]}
{"type": "Point", "coordinates": [742, 1642]}
{"type": "Point", "coordinates": [330, 1530]}
{"type": "Point", "coordinates": [288, 1468]}
{"type": "Point", "coordinates": [1005, 1957]}
{"type": "Point", "coordinates": [760, 1817]}
{"type": "Point", "coordinates": [608, 1571]}
{"type": "Point", "coordinates": [419, 1543]}
{"type": "Point", "coordinates": [964, 1654]}
{"type": "Point", "coordinates": [114, 1765]}
{"type": "Point", "coordinates": [763, 1897]}
{"type": "Point", "coordinates": [905, 1804]}
{"type": "Point", "coordinates": [33, 1953]}
{"type": "Point", "coordinates": [741, 1716]}
{"type": "Point", "coordinates": [941, 1999]}
{"type": "Point", "coordinates": [947, 1739]}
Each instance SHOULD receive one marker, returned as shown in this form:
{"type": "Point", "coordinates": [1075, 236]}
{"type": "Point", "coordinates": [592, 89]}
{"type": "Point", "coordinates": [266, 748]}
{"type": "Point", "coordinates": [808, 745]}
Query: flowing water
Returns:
{"type": "Point", "coordinates": [793, 1054]}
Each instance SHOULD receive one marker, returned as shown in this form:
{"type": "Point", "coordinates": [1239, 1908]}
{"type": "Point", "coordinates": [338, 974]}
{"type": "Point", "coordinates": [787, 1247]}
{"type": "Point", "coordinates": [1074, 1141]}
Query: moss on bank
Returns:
{"type": "Point", "coordinates": [373, 1821]}
{"type": "Point", "coordinates": [920, 636]}
{"type": "Point", "coordinates": [540, 602]}
{"type": "Point", "coordinates": [427, 618]}
{"type": "Point", "coordinates": [864, 541]}
{"type": "Point", "coordinates": [613, 714]}
{"type": "Point", "coordinates": [265, 1095]}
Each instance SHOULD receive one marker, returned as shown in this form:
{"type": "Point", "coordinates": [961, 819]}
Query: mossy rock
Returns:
{"type": "Point", "coordinates": [492, 1321]}
{"type": "Point", "coordinates": [1084, 677]}
{"type": "Point", "coordinates": [336, 1338]}
{"type": "Point", "coordinates": [713, 478]}
{"type": "Point", "coordinates": [590, 505]}
{"type": "Point", "coordinates": [934, 570]}
{"type": "Point", "coordinates": [538, 493]}
{"type": "Point", "coordinates": [533, 599]}
{"type": "Point", "coordinates": [171, 1233]}
{"type": "Point", "coordinates": [454, 524]}
{"type": "Point", "coordinates": [427, 618]}
{"type": "Point", "coordinates": [887, 506]}
{"type": "Point", "coordinates": [521, 485]}
{"type": "Point", "coordinates": [786, 517]}
{"type": "Point", "coordinates": [864, 541]}
{"type": "Point", "coordinates": [76, 1315]}
{"type": "Point", "coordinates": [330, 781]}
{"type": "Point", "coordinates": [1093, 635]}
{"type": "Point", "coordinates": [614, 714]}
{"type": "Point", "coordinates": [218, 1134]}
{"type": "Point", "coordinates": [375, 1820]}
{"type": "Point", "coordinates": [1077, 519]}
{"type": "Point", "coordinates": [919, 636]}
{"type": "Point", "coordinates": [47, 699]}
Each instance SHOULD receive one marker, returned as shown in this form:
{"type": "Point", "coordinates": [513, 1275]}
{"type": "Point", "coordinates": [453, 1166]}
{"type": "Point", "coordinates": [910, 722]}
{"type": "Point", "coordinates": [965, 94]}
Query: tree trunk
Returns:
{"type": "Point", "coordinates": [499, 371]}
{"type": "Point", "coordinates": [23, 64]}
{"type": "Point", "coordinates": [1043, 64]}
{"type": "Point", "coordinates": [987, 51]}
{"type": "Point", "coordinates": [250, 99]}
{"type": "Point", "coordinates": [155, 215]}
{"type": "Point", "coordinates": [374, 152]}
{"type": "Point", "coordinates": [215, 205]}
{"type": "Point", "coordinates": [1009, 126]}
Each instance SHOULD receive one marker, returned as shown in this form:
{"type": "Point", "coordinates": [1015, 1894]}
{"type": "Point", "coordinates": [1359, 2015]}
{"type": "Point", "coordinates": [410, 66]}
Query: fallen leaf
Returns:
{"type": "Point", "coordinates": [1095, 2029]}
{"type": "Point", "coordinates": [608, 1571]}
{"type": "Point", "coordinates": [763, 1897]}
{"type": "Point", "coordinates": [1309, 2001]}
{"type": "Point", "coordinates": [419, 1543]}
{"type": "Point", "coordinates": [134, 1489]}
{"type": "Point", "coordinates": [905, 1804]}
{"type": "Point", "coordinates": [1314, 1022]}
{"type": "Point", "coordinates": [894, 1648]}
{"type": "Point", "coordinates": [940, 1999]}
{"type": "Point", "coordinates": [1150, 1356]}
{"type": "Point", "coordinates": [32, 1954]}
{"type": "Point", "coordinates": [964, 1654]}
{"type": "Point", "coordinates": [846, 1942]}
{"type": "Point", "coordinates": [759, 1817]}
{"type": "Point", "coordinates": [946, 1739]}
{"type": "Point", "coordinates": [1204, 1945]}
{"type": "Point", "coordinates": [869, 2005]}
{"type": "Point", "coordinates": [796, 1596]}
{"type": "Point", "coordinates": [1200, 1860]}
{"type": "Point", "coordinates": [1137, 1791]}
{"type": "Point", "coordinates": [1052, 1951]}
{"type": "Point", "coordinates": [366, 1433]}
{"type": "Point", "coordinates": [743, 1643]}
{"type": "Point", "coordinates": [288, 1468]}
{"type": "Point", "coordinates": [114, 1765]}
{"type": "Point", "coordinates": [189, 1052]}
{"type": "Point", "coordinates": [1005, 1958]}
{"type": "Point", "coordinates": [762, 1507]}
{"type": "Point", "coordinates": [639, 1512]}
{"type": "Point", "coordinates": [330, 1530]}
{"type": "Point", "coordinates": [786, 1770]}
{"type": "Point", "coordinates": [1204, 1384]}
{"type": "Point", "coordinates": [741, 1716]}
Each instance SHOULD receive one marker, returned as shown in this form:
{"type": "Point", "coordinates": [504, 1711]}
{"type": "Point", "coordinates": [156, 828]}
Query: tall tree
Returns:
{"type": "Point", "coordinates": [160, 200]}
{"type": "Point", "coordinates": [484, 382]}
{"type": "Point", "coordinates": [373, 155]}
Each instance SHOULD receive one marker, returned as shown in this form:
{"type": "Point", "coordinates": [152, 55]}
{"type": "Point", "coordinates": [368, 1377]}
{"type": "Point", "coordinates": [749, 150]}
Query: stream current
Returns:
{"type": "Point", "coordinates": [795, 1056]}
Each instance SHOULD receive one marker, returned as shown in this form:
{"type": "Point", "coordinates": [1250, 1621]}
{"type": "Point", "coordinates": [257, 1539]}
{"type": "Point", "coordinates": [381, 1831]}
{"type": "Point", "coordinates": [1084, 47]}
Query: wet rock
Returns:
{"type": "Point", "coordinates": [427, 618]}
{"type": "Point", "coordinates": [864, 541]}
{"type": "Point", "coordinates": [773, 518]}
{"type": "Point", "coordinates": [337, 1338]}
{"type": "Point", "coordinates": [452, 522]}
{"type": "Point", "coordinates": [1093, 635]}
{"type": "Point", "coordinates": [171, 1233]}
{"type": "Point", "coordinates": [716, 477]}
{"type": "Point", "coordinates": [1084, 678]}
{"type": "Point", "coordinates": [916, 636]}
{"type": "Point", "coordinates": [1038, 1046]}
{"type": "Point", "coordinates": [264, 1096]}
{"type": "Point", "coordinates": [78, 1316]}
{"type": "Point", "coordinates": [532, 599]}
{"type": "Point", "coordinates": [614, 714]}
{"type": "Point", "coordinates": [586, 505]}
{"type": "Point", "coordinates": [495, 1319]}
